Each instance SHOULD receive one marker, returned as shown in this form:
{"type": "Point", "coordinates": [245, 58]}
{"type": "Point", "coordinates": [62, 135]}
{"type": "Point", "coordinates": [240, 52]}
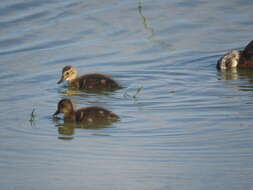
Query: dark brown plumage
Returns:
{"type": "Point", "coordinates": [92, 81]}
{"type": "Point", "coordinates": [237, 59]}
{"type": "Point", "coordinates": [90, 115]}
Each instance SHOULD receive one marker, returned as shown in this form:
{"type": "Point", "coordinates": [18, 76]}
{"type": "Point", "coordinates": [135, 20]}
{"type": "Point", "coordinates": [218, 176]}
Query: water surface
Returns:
{"type": "Point", "coordinates": [189, 128]}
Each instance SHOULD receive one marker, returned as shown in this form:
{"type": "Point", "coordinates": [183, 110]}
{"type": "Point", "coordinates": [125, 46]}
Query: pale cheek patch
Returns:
{"type": "Point", "coordinates": [71, 75]}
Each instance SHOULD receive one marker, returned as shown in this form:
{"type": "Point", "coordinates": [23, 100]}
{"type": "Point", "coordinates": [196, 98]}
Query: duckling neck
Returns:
{"type": "Point", "coordinates": [73, 77]}
{"type": "Point", "coordinates": [73, 81]}
{"type": "Point", "coordinates": [71, 116]}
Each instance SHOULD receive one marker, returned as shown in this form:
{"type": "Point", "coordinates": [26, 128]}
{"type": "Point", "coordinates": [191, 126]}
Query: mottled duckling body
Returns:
{"type": "Point", "coordinates": [92, 81]}
{"type": "Point", "coordinates": [89, 115]}
{"type": "Point", "coordinates": [237, 59]}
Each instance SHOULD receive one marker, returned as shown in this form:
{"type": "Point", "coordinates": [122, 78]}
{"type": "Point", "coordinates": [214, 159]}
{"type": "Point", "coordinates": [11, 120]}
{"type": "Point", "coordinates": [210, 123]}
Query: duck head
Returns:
{"type": "Point", "coordinates": [230, 60]}
{"type": "Point", "coordinates": [69, 74]}
{"type": "Point", "coordinates": [65, 106]}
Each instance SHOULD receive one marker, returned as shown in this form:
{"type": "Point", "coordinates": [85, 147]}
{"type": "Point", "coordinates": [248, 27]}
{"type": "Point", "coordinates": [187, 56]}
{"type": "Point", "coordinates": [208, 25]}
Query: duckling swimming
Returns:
{"type": "Point", "coordinates": [88, 115]}
{"type": "Point", "coordinates": [93, 81]}
{"type": "Point", "coordinates": [237, 59]}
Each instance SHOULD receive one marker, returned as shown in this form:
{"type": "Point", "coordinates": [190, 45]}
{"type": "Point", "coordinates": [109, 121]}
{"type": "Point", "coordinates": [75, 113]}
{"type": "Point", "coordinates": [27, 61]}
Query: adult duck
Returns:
{"type": "Point", "coordinates": [237, 59]}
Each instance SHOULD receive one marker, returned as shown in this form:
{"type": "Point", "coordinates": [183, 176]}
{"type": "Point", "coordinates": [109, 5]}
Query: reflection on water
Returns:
{"type": "Point", "coordinates": [85, 93]}
{"type": "Point", "coordinates": [229, 74]}
{"type": "Point", "coordinates": [66, 130]}
{"type": "Point", "coordinates": [239, 74]}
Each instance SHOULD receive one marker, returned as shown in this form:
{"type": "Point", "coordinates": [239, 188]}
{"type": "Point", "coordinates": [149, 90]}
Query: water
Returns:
{"type": "Point", "coordinates": [189, 128]}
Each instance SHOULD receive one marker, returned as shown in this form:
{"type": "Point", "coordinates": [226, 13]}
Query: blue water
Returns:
{"type": "Point", "coordinates": [189, 128]}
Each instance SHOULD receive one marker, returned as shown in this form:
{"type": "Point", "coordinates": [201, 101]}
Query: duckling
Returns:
{"type": "Point", "coordinates": [237, 59]}
{"type": "Point", "coordinates": [88, 115]}
{"type": "Point", "coordinates": [92, 81]}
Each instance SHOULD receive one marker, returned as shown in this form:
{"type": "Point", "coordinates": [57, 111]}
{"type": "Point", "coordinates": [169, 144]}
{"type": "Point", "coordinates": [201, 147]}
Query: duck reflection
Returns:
{"type": "Point", "coordinates": [238, 74]}
{"type": "Point", "coordinates": [229, 75]}
{"type": "Point", "coordinates": [71, 91]}
{"type": "Point", "coordinates": [66, 130]}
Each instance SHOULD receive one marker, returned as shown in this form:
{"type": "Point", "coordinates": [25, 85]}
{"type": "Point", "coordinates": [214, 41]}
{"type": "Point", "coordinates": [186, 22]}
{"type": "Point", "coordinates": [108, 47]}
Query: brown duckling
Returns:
{"type": "Point", "coordinates": [237, 59]}
{"type": "Point", "coordinates": [92, 81]}
{"type": "Point", "coordinates": [89, 115]}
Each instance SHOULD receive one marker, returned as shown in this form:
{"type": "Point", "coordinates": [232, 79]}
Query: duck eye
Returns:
{"type": "Point", "coordinates": [67, 73]}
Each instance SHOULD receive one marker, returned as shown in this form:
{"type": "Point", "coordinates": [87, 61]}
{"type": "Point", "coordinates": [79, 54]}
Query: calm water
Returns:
{"type": "Point", "coordinates": [189, 128]}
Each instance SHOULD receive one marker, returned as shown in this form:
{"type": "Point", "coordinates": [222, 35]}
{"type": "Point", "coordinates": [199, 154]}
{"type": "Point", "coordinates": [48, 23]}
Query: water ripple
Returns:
{"type": "Point", "coordinates": [187, 125]}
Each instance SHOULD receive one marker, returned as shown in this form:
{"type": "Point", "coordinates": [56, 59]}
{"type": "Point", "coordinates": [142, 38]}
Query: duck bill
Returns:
{"type": "Point", "coordinates": [56, 113]}
{"type": "Point", "coordinates": [61, 80]}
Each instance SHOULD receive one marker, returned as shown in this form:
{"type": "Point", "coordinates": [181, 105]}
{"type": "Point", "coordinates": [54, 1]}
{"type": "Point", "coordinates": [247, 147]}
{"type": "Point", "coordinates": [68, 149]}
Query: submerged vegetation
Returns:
{"type": "Point", "coordinates": [32, 116]}
{"type": "Point", "coordinates": [134, 96]}
{"type": "Point", "coordinates": [138, 91]}
{"type": "Point", "coordinates": [151, 30]}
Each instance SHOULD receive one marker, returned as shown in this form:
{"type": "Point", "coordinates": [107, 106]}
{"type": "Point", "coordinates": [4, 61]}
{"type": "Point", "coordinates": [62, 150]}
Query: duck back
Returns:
{"type": "Point", "coordinates": [96, 82]}
{"type": "Point", "coordinates": [95, 114]}
{"type": "Point", "coordinates": [248, 51]}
